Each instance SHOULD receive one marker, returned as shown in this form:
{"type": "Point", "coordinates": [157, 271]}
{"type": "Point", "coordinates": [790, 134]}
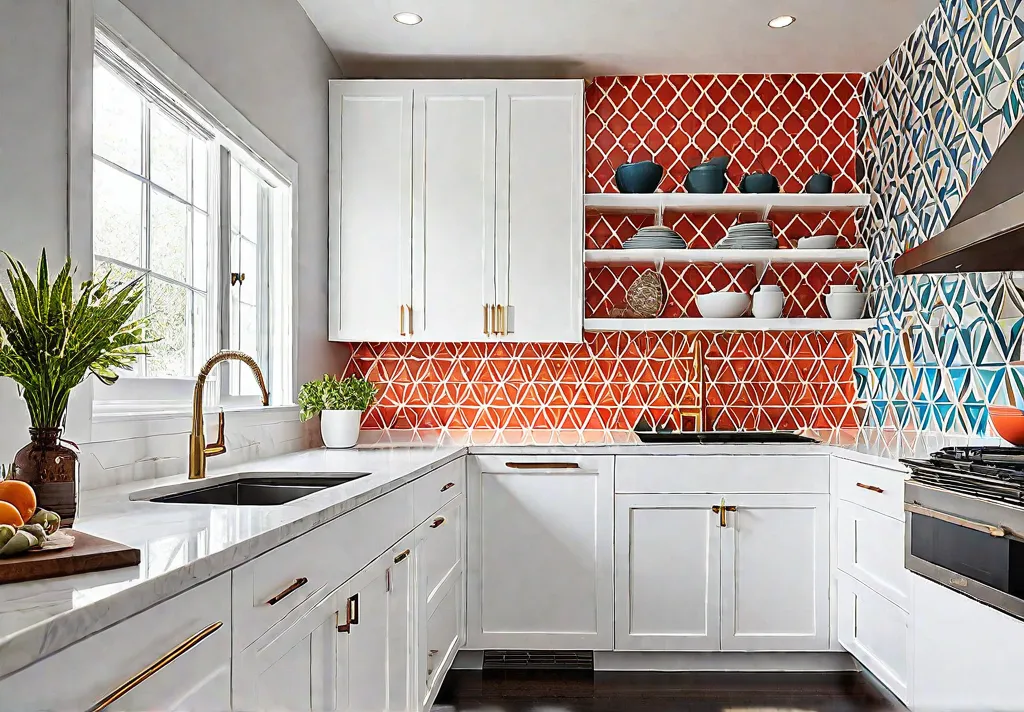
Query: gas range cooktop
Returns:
{"type": "Point", "coordinates": [995, 473]}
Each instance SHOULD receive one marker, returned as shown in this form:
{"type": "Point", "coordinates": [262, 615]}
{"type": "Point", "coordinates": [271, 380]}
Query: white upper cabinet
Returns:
{"type": "Point", "coordinates": [539, 255]}
{"type": "Point", "coordinates": [457, 210]}
{"type": "Point", "coordinates": [453, 208]}
{"type": "Point", "coordinates": [371, 210]}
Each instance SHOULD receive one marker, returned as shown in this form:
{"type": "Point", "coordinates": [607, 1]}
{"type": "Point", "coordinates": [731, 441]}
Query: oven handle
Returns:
{"type": "Point", "coordinates": [952, 519]}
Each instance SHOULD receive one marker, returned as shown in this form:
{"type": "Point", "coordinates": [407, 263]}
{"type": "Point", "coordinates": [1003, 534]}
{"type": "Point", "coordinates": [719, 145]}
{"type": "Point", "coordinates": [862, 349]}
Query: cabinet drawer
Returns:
{"type": "Point", "coordinates": [269, 587]}
{"type": "Point", "coordinates": [877, 633]}
{"type": "Point", "coordinates": [721, 474]}
{"type": "Point", "coordinates": [871, 551]}
{"type": "Point", "coordinates": [441, 640]}
{"type": "Point", "coordinates": [435, 489]}
{"type": "Point", "coordinates": [876, 488]}
{"type": "Point", "coordinates": [439, 549]}
{"type": "Point", "coordinates": [199, 678]}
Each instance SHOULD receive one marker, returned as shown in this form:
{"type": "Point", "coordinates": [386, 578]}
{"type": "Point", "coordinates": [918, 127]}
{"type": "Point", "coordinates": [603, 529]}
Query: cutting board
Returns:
{"type": "Point", "coordinates": [90, 553]}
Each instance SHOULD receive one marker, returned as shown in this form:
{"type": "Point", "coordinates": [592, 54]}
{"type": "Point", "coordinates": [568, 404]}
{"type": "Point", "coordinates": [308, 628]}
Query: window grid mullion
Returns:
{"type": "Point", "coordinates": [146, 219]}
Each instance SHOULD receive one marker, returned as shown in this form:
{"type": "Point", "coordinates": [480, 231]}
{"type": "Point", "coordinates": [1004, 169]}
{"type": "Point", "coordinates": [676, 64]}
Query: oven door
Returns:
{"type": "Point", "coordinates": [970, 545]}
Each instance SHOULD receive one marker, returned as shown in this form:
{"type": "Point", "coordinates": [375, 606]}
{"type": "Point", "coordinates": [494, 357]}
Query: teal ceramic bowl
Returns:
{"type": "Point", "coordinates": [642, 177]}
{"type": "Point", "coordinates": [705, 178]}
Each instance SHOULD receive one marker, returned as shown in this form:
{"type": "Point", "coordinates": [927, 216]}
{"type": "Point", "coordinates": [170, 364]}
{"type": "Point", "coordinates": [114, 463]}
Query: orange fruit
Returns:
{"type": "Point", "coordinates": [10, 515]}
{"type": "Point", "coordinates": [20, 495]}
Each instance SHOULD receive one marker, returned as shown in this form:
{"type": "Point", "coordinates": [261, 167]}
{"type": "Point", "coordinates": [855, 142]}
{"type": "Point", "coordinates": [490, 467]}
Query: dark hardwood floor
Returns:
{"type": "Point", "coordinates": [543, 691]}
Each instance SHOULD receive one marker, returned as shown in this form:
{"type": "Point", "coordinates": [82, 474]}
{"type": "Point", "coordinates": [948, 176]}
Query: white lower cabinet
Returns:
{"type": "Point", "coordinates": [775, 573]}
{"type": "Point", "coordinates": [540, 552]}
{"type": "Point", "coordinates": [685, 582]}
{"type": "Point", "coordinates": [667, 572]}
{"type": "Point", "coordinates": [877, 633]}
{"type": "Point", "coordinates": [184, 645]}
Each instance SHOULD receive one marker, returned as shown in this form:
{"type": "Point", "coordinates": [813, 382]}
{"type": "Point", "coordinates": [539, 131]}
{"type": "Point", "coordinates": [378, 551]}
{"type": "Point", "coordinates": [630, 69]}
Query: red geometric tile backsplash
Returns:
{"type": "Point", "coordinates": [755, 380]}
{"type": "Point", "coordinates": [792, 125]}
{"type": "Point", "coordinates": [795, 125]}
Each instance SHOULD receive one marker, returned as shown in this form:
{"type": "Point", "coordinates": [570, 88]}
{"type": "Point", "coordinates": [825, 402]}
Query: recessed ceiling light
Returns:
{"type": "Point", "coordinates": [781, 21]}
{"type": "Point", "coordinates": [408, 18]}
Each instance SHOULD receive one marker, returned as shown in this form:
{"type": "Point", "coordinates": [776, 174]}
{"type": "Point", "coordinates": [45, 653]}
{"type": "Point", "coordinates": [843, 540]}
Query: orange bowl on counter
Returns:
{"type": "Point", "coordinates": [1008, 421]}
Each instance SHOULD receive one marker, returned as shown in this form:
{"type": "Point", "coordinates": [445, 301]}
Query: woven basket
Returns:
{"type": "Point", "coordinates": [646, 297]}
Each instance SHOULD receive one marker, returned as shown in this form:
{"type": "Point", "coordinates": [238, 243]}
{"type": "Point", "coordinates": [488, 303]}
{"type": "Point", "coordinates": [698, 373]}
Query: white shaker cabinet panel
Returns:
{"type": "Point", "coordinates": [667, 572]}
{"type": "Point", "coordinates": [871, 549]}
{"type": "Point", "coordinates": [371, 232]}
{"type": "Point", "coordinates": [775, 573]}
{"type": "Point", "coordinates": [184, 643]}
{"type": "Point", "coordinates": [540, 209]}
{"type": "Point", "coordinates": [540, 547]}
{"type": "Point", "coordinates": [453, 208]}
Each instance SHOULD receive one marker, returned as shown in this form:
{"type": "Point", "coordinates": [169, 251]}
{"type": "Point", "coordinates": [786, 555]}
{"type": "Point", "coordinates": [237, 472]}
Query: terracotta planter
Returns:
{"type": "Point", "coordinates": [52, 470]}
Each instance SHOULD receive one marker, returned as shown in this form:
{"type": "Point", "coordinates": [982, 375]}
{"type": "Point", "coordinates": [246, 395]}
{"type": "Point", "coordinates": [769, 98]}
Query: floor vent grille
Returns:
{"type": "Point", "coordinates": [538, 660]}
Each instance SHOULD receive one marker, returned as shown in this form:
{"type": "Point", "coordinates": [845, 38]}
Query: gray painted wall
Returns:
{"type": "Point", "coordinates": [264, 56]}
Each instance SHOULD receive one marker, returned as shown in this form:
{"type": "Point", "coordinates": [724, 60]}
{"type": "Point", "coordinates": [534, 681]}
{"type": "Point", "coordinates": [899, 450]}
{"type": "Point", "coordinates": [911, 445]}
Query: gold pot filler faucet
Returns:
{"type": "Point", "coordinates": [198, 450]}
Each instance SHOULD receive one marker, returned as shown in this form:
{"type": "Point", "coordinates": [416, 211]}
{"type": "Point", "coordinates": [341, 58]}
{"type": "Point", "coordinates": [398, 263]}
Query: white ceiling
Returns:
{"type": "Point", "coordinates": [581, 38]}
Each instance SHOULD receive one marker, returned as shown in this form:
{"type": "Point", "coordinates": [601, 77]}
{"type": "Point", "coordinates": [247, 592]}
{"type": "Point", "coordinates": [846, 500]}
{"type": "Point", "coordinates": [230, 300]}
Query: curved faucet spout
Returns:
{"type": "Point", "coordinates": [197, 449]}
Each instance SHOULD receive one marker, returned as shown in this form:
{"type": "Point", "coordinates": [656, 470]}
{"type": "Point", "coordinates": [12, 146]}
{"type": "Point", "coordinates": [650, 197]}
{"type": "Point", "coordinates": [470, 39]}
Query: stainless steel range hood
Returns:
{"type": "Point", "coordinates": [986, 234]}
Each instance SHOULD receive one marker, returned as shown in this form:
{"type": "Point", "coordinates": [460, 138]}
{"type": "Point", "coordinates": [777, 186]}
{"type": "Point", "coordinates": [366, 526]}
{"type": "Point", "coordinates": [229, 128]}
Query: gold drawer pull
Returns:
{"type": "Point", "coordinates": [437, 522]}
{"type": "Point", "coordinates": [447, 486]}
{"type": "Point", "coordinates": [542, 465]}
{"type": "Point", "coordinates": [403, 556]}
{"type": "Point", "coordinates": [870, 487]}
{"type": "Point", "coordinates": [351, 614]}
{"type": "Point", "coordinates": [298, 583]}
{"type": "Point", "coordinates": [720, 510]}
{"type": "Point", "coordinates": [401, 320]}
{"type": "Point", "coordinates": [163, 662]}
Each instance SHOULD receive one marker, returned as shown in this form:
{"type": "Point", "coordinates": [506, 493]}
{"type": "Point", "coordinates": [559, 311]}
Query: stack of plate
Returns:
{"type": "Point", "coordinates": [656, 237]}
{"type": "Point", "coordinates": [749, 236]}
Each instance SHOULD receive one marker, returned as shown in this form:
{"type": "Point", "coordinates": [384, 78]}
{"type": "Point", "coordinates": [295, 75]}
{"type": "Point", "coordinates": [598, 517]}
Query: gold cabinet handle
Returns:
{"type": "Point", "coordinates": [720, 510]}
{"type": "Point", "coordinates": [403, 556]}
{"type": "Point", "coordinates": [163, 662]}
{"type": "Point", "coordinates": [408, 308]}
{"type": "Point", "coordinates": [542, 465]}
{"type": "Point", "coordinates": [493, 328]}
{"type": "Point", "coordinates": [989, 529]}
{"type": "Point", "coordinates": [870, 487]}
{"type": "Point", "coordinates": [401, 320]}
{"type": "Point", "coordinates": [297, 584]}
{"type": "Point", "coordinates": [437, 522]}
{"type": "Point", "coordinates": [487, 323]}
{"type": "Point", "coordinates": [447, 486]}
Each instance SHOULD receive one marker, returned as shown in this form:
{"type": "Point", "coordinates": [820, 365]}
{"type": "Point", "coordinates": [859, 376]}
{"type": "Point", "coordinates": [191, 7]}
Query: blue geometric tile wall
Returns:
{"type": "Point", "coordinates": [933, 115]}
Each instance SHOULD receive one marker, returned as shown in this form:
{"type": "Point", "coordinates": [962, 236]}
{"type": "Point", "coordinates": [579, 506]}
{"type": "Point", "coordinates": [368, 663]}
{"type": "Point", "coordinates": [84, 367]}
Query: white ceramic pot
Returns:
{"type": "Point", "coordinates": [340, 428]}
{"type": "Point", "coordinates": [845, 305]}
{"type": "Point", "coordinates": [769, 302]}
{"type": "Point", "coordinates": [723, 305]}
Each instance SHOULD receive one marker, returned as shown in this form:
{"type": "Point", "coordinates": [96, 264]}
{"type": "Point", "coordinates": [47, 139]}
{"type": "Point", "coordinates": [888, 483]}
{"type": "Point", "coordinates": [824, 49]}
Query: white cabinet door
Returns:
{"type": "Point", "coordinates": [402, 611]}
{"type": "Point", "coordinates": [185, 643]}
{"type": "Point", "coordinates": [539, 261]}
{"type": "Point", "coordinates": [295, 665]}
{"type": "Point", "coordinates": [453, 209]}
{"type": "Point", "coordinates": [540, 542]}
{"type": "Point", "coordinates": [371, 210]}
{"type": "Point", "coordinates": [775, 573]}
{"type": "Point", "coordinates": [667, 572]}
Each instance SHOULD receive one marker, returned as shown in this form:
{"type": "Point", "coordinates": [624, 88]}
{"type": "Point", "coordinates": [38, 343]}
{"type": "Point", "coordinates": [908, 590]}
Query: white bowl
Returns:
{"type": "Point", "coordinates": [817, 242]}
{"type": "Point", "coordinates": [845, 305]}
{"type": "Point", "coordinates": [723, 305]}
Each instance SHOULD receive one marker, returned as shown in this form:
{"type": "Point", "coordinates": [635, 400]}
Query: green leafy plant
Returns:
{"type": "Point", "coordinates": [50, 341]}
{"type": "Point", "coordinates": [333, 393]}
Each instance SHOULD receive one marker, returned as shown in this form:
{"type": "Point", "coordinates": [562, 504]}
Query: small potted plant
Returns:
{"type": "Point", "coordinates": [340, 403]}
{"type": "Point", "coordinates": [50, 341]}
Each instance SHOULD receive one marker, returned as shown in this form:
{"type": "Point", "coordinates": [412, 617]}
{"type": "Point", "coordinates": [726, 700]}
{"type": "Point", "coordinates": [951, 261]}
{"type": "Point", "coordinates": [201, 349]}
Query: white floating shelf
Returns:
{"type": "Point", "coordinates": [740, 324]}
{"type": "Point", "coordinates": [610, 257]}
{"type": "Point", "coordinates": [724, 202]}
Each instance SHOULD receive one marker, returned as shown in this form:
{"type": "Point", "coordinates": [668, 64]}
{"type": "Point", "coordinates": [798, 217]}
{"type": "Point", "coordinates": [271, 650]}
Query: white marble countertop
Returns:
{"type": "Point", "coordinates": [184, 545]}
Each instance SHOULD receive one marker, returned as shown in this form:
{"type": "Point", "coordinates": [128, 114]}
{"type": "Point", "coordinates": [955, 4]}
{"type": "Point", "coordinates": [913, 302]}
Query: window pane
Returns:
{"type": "Point", "coordinates": [200, 175]}
{"type": "Point", "coordinates": [168, 237]}
{"type": "Point", "coordinates": [249, 332]}
{"type": "Point", "coordinates": [170, 309]}
{"type": "Point", "coordinates": [236, 180]}
{"type": "Point", "coordinates": [117, 120]}
{"type": "Point", "coordinates": [119, 276]}
{"type": "Point", "coordinates": [250, 203]}
{"type": "Point", "coordinates": [200, 332]}
{"type": "Point", "coordinates": [168, 149]}
{"type": "Point", "coordinates": [249, 264]}
{"type": "Point", "coordinates": [117, 214]}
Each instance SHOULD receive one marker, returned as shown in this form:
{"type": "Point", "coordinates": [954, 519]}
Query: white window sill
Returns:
{"type": "Point", "coordinates": [111, 413]}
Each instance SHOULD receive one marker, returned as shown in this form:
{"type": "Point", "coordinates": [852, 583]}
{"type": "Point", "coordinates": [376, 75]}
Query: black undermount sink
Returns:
{"type": "Point", "coordinates": [721, 437]}
{"type": "Point", "coordinates": [259, 491]}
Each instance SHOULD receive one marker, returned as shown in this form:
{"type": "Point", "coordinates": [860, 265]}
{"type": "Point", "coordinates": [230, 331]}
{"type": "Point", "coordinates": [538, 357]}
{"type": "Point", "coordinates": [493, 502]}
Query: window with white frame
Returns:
{"type": "Point", "coordinates": [177, 201]}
